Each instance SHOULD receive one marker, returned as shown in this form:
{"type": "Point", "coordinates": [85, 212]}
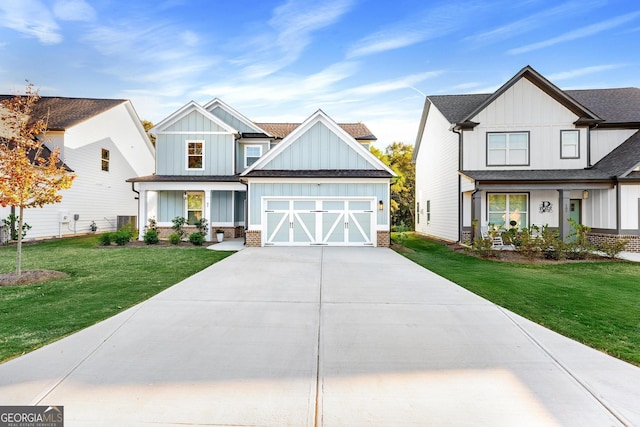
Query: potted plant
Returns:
{"type": "Point", "coordinates": [220, 235]}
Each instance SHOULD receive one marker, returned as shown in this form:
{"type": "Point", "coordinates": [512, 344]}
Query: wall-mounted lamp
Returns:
{"type": "Point", "coordinates": [380, 205]}
{"type": "Point", "coordinates": [585, 194]}
{"type": "Point", "coordinates": [184, 195]}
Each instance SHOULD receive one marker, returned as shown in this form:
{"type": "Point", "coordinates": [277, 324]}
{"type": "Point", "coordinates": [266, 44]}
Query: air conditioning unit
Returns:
{"type": "Point", "coordinates": [65, 217]}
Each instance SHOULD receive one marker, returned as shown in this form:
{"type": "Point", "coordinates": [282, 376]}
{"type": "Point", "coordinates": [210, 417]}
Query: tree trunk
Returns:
{"type": "Point", "coordinates": [19, 250]}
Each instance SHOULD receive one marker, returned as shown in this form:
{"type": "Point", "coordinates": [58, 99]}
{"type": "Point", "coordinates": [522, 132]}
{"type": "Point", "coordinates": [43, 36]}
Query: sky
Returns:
{"type": "Point", "coordinates": [370, 61]}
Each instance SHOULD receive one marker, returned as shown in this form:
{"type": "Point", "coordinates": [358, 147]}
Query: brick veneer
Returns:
{"type": "Point", "coordinates": [383, 239]}
{"type": "Point", "coordinates": [253, 238]}
{"type": "Point", "coordinates": [229, 232]}
{"type": "Point", "coordinates": [632, 246]}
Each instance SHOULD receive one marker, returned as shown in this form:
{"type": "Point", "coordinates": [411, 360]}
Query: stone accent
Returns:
{"type": "Point", "coordinates": [165, 232]}
{"type": "Point", "coordinates": [229, 232]}
{"type": "Point", "coordinates": [253, 238]}
{"type": "Point", "coordinates": [383, 239]}
{"type": "Point", "coordinates": [466, 237]}
{"type": "Point", "coordinates": [632, 246]}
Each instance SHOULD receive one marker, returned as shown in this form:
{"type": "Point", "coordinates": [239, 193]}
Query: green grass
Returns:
{"type": "Point", "coordinates": [596, 303]}
{"type": "Point", "coordinates": [103, 282]}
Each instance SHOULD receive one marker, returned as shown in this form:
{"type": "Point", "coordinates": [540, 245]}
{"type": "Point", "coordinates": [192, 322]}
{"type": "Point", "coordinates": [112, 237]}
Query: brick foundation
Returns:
{"type": "Point", "coordinates": [466, 237]}
{"type": "Point", "coordinates": [229, 232]}
{"type": "Point", "coordinates": [383, 239]}
{"type": "Point", "coordinates": [253, 238]}
{"type": "Point", "coordinates": [632, 246]}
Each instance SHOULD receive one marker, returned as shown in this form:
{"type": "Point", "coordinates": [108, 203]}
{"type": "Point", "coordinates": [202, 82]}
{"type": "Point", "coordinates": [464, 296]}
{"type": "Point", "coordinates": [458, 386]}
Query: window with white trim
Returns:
{"type": "Point", "coordinates": [195, 204]}
{"type": "Point", "coordinates": [195, 155]}
{"type": "Point", "coordinates": [428, 212]}
{"type": "Point", "coordinates": [251, 154]}
{"type": "Point", "coordinates": [508, 210]}
{"type": "Point", "coordinates": [569, 144]}
{"type": "Point", "coordinates": [507, 148]}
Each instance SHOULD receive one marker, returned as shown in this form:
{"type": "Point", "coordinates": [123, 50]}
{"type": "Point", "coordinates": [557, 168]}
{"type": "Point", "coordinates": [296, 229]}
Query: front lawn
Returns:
{"type": "Point", "coordinates": [596, 303]}
{"type": "Point", "coordinates": [102, 282]}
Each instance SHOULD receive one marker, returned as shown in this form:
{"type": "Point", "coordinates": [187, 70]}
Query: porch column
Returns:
{"type": "Point", "coordinates": [142, 213]}
{"type": "Point", "coordinates": [207, 213]}
{"type": "Point", "coordinates": [564, 212]}
{"type": "Point", "coordinates": [476, 213]}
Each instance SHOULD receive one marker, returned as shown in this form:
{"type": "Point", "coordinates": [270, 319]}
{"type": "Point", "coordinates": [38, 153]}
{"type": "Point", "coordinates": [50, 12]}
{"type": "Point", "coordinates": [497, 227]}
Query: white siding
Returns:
{"type": "Point", "coordinates": [604, 141]}
{"type": "Point", "coordinates": [524, 107]}
{"type": "Point", "coordinates": [599, 210]}
{"type": "Point", "coordinates": [629, 207]}
{"type": "Point", "coordinates": [437, 178]}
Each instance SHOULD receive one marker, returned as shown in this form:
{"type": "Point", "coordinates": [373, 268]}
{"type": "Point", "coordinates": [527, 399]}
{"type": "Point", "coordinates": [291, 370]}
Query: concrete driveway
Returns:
{"type": "Point", "coordinates": [326, 337]}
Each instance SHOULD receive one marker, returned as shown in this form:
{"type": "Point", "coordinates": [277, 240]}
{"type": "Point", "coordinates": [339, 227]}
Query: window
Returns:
{"type": "Point", "coordinates": [195, 203]}
{"type": "Point", "coordinates": [508, 148]}
{"type": "Point", "coordinates": [569, 144]}
{"type": "Point", "coordinates": [428, 211]}
{"type": "Point", "coordinates": [251, 154]}
{"type": "Point", "coordinates": [508, 210]}
{"type": "Point", "coordinates": [418, 213]}
{"type": "Point", "coordinates": [195, 154]}
{"type": "Point", "coordinates": [105, 160]}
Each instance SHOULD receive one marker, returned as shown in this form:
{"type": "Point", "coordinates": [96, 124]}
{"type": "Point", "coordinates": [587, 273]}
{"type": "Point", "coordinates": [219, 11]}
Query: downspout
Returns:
{"type": "Point", "coordinates": [138, 199]}
{"type": "Point", "coordinates": [454, 130]}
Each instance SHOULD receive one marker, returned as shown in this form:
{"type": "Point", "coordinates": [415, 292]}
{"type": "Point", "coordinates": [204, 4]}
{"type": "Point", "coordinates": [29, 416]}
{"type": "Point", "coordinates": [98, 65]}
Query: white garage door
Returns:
{"type": "Point", "coordinates": [326, 221]}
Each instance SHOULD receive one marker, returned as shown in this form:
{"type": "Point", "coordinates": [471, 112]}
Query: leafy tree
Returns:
{"type": "Point", "coordinates": [146, 124]}
{"type": "Point", "coordinates": [30, 174]}
{"type": "Point", "coordinates": [398, 157]}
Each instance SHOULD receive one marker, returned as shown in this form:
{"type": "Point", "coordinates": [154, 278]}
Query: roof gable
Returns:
{"type": "Point", "coordinates": [231, 116]}
{"type": "Point", "coordinates": [190, 108]}
{"type": "Point", "coordinates": [64, 113]}
{"type": "Point", "coordinates": [623, 159]}
{"type": "Point", "coordinates": [314, 145]}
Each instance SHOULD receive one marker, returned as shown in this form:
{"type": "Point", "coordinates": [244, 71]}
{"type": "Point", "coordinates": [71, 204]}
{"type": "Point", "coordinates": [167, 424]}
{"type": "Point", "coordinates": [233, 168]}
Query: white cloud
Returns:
{"type": "Point", "coordinates": [189, 38]}
{"type": "Point", "coordinates": [578, 34]}
{"type": "Point", "coordinates": [566, 75]}
{"type": "Point", "coordinates": [73, 10]}
{"type": "Point", "coordinates": [32, 18]}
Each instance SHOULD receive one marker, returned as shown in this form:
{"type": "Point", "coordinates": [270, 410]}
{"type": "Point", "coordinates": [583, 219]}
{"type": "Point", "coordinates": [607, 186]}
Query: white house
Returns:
{"type": "Point", "coordinates": [310, 183]}
{"type": "Point", "coordinates": [530, 153]}
{"type": "Point", "coordinates": [103, 142]}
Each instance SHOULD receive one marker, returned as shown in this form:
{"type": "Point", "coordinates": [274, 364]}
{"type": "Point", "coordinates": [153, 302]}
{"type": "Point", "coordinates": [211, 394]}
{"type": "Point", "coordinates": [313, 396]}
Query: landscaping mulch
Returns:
{"type": "Point", "coordinates": [30, 277]}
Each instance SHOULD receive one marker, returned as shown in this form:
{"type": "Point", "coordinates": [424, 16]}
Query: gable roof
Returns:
{"type": "Point", "coordinates": [217, 102]}
{"type": "Point", "coordinates": [358, 131]}
{"type": "Point", "coordinates": [319, 116]}
{"type": "Point", "coordinates": [623, 159]}
{"type": "Point", "coordinates": [67, 112]}
{"type": "Point", "coordinates": [186, 110]}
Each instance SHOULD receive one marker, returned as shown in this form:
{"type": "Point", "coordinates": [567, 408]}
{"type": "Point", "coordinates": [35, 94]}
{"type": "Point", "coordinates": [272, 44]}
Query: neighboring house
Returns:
{"type": "Point", "coordinates": [533, 154]}
{"type": "Point", "coordinates": [314, 183]}
{"type": "Point", "coordinates": [103, 143]}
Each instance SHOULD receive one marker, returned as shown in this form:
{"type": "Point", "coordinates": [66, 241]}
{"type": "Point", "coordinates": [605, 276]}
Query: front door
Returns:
{"type": "Point", "coordinates": [574, 213]}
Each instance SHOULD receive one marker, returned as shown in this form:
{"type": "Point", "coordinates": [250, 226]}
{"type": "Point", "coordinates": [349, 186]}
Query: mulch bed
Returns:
{"type": "Point", "coordinates": [30, 277]}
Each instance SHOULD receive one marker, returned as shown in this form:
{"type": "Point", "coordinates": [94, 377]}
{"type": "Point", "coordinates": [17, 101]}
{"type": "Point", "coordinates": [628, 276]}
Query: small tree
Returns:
{"type": "Point", "coordinates": [30, 174]}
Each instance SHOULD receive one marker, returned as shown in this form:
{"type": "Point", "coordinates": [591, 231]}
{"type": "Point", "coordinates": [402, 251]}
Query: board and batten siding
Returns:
{"type": "Point", "coordinates": [240, 152]}
{"type": "Point", "coordinates": [318, 148]}
{"type": "Point", "coordinates": [231, 120]}
{"type": "Point", "coordinates": [630, 202]}
{"type": "Point", "coordinates": [599, 211]}
{"type": "Point", "coordinates": [604, 141]}
{"type": "Point", "coordinates": [221, 207]}
{"type": "Point", "coordinates": [525, 108]}
{"type": "Point", "coordinates": [171, 157]}
{"type": "Point", "coordinates": [170, 205]}
{"type": "Point", "coordinates": [437, 178]}
{"type": "Point", "coordinates": [315, 189]}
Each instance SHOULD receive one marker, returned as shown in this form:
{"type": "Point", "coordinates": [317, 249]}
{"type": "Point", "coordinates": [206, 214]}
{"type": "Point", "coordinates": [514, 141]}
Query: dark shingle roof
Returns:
{"type": "Point", "coordinates": [66, 112]}
{"type": "Point", "coordinates": [280, 130]}
{"type": "Point", "coordinates": [613, 105]}
{"type": "Point", "coordinates": [324, 173]}
{"type": "Point", "coordinates": [185, 178]}
{"type": "Point", "coordinates": [622, 159]}
{"type": "Point", "coordinates": [538, 175]}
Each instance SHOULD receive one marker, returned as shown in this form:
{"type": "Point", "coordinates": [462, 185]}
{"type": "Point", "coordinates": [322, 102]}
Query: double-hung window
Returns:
{"type": "Point", "coordinates": [251, 154]}
{"type": "Point", "coordinates": [195, 204]}
{"type": "Point", "coordinates": [508, 210]}
{"type": "Point", "coordinates": [105, 160]}
{"type": "Point", "coordinates": [508, 149]}
{"type": "Point", "coordinates": [569, 144]}
{"type": "Point", "coordinates": [195, 155]}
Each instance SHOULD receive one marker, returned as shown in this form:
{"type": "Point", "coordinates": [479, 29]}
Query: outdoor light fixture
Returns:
{"type": "Point", "coordinates": [585, 194]}
{"type": "Point", "coordinates": [380, 205]}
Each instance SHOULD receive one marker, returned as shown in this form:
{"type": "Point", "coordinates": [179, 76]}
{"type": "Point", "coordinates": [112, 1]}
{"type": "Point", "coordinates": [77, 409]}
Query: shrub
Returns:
{"type": "Point", "coordinates": [178, 223]}
{"type": "Point", "coordinates": [401, 232]}
{"type": "Point", "coordinates": [122, 237]}
{"type": "Point", "coordinates": [612, 248]}
{"type": "Point", "coordinates": [105, 239]}
{"type": "Point", "coordinates": [175, 238]}
{"type": "Point", "coordinates": [151, 237]}
{"type": "Point", "coordinates": [153, 224]}
{"type": "Point", "coordinates": [129, 229]}
{"type": "Point", "coordinates": [197, 238]}
{"type": "Point", "coordinates": [11, 222]}
{"type": "Point", "coordinates": [484, 247]}
{"type": "Point", "coordinates": [202, 226]}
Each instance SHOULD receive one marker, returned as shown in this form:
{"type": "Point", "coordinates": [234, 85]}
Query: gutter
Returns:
{"type": "Point", "coordinates": [456, 130]}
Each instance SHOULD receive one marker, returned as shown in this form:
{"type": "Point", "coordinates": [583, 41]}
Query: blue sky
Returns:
{"type": "Point", "coordinates": [281, 60]}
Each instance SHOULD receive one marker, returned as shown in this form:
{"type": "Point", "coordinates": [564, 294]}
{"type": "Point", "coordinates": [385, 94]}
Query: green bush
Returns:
{"type": "Point", "coordinates": [612, 248]}
{"type": "Point", "coordinates": [122, 237]}
{"type": "Point", "coordinates": [105, 239]}
{"type": "Point", "coordinates": [175, 238]}
{"type": "Point", "coordinates": [178, 223]}
{"type": "Point", "coordinates": [484, 247]}
{"type": "Point", "coordinates": [129, 229]}
{"type": "Point", "coordinates": [197, 238]}
{"type": "Point", "coordinates": [202, 225]}
{"type": "Point", "coordinates": [151, 237]}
